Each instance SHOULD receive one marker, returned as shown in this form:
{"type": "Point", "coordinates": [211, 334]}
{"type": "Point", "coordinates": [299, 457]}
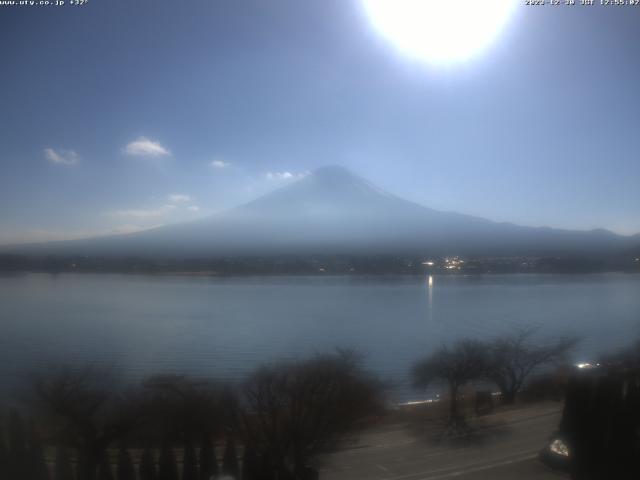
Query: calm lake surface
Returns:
{"type": "Point", "coordinates": [224, 327]}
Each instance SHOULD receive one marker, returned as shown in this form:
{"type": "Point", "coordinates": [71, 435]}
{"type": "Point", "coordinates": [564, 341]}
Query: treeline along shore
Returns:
{"type": "Point", "coordinates": [320, 265]}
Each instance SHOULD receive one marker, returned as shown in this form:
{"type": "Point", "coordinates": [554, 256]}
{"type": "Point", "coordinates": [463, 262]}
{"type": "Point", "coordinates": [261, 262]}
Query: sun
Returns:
{"type": "Point", "coordinates": [439, 31]}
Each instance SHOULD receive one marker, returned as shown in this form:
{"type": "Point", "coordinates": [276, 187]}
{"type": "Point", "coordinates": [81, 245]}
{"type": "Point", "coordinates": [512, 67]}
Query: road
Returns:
{"type": "Point", "coordinates": [505, 448]}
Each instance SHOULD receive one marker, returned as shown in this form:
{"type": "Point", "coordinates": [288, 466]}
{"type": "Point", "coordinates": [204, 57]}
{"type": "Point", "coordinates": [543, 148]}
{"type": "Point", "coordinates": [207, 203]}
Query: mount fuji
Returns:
{"type": "Point", "coordinates": [334, 211]}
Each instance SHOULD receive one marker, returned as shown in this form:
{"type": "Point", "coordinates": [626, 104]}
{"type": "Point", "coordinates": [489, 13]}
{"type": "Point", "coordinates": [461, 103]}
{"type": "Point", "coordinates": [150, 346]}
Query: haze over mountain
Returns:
{"type": "Point", "coordinates": [333, 211]}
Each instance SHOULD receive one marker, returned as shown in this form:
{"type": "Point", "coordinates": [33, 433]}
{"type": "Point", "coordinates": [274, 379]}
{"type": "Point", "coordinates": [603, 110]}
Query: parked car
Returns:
{"type": "Point", "coordinates": [599, 434]}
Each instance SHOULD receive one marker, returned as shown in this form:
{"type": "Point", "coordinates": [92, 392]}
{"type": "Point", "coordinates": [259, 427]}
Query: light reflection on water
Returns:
{"type": "Point", "coordinates": [226, 326]}
{"type": "Point", "coordinates": [431, 284]}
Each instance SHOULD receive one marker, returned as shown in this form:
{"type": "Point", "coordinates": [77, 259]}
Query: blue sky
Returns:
{"type": "Point", "coordinates": [122, 115]}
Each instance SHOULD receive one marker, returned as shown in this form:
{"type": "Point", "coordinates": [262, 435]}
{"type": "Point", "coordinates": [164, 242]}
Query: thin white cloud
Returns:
{"type": "Point", "coordinates": [193, 208]}
{"type": "Point", "coordinates": [179, 198]}
{"type": "Point", "coordinates": [144, 213]}
{"type": "Point", "coordinates": [144, 147]}
{"type": "Point", "coordinates": [61, 157]}
{"type": "Point", "coordinates": [274, 176]}
{"type": "Point", "coordinates": [219, 164]}
{"type": "Point", "coordinates": [128, 228]}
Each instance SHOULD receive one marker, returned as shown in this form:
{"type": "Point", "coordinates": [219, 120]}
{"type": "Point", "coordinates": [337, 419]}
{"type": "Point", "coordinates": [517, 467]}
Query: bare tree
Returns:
{"type": "Point", "coordinates": [514, 357]}
{"type": "Point", "coordinates": [250, 463]}
{"type": "Point", "coordinates": [62, 469]}
{"type": "Point", "coordinates": [299, 410]}
{"type": "Point", "coordinates": [4, 455]}
{"type": "Point", "coordinates": [104, 469]}
{"type": "Point", "coordinates": [208, 461]}
{"type": "Point", "coordinates": [125, 469]}
{"type": "Point", "coordinates": [189, 461]}
{"type": "Point", "coordinates": [230, 466]}
{"type": "Point", "coordinates": [184, 408]}
{"type": "Point", "coordinates": [37, 464]}
{"type": "Point", "coordinates": [458, 365]}
{"type": "Point", "coordinates": [147, 466]}
{"type": "Point", "coordinates": [167, 465]}
{"type": "Point", "coordinates": [87, 411]}
{"type": "Point", "coordinates": [18, 461]}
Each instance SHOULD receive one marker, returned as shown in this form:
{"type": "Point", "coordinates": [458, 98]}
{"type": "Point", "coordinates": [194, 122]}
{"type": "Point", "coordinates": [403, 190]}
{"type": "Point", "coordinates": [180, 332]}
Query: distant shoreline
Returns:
{"type": "Point", "coordinates": [321, 265]}
{"type": "Point", "coordinates": [213, 274]}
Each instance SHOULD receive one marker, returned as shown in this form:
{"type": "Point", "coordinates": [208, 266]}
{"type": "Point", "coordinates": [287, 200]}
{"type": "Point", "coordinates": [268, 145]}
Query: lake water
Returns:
{"type": "Point", "coordinates": [224, 327]}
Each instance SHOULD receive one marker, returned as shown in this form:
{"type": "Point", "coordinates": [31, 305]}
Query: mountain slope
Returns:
{"type": "Point", "coordinates": [333, 211]}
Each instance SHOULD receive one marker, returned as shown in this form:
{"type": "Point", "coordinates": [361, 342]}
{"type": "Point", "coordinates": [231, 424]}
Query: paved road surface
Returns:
{"type": "Point", "coordinates": [506, 449]}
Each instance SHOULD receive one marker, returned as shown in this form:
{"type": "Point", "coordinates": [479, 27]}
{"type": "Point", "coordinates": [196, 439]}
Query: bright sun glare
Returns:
{"type": "Point", "coordinates": [439, 31]}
